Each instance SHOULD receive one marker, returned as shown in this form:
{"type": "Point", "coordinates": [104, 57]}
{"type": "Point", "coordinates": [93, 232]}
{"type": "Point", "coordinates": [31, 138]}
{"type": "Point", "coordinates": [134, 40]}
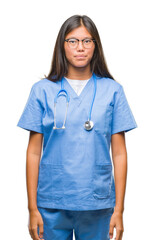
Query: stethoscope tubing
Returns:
{"type": "Point", "coordinates": [62, 90]}
{"type": "Point", "coordinates": [95, 88]}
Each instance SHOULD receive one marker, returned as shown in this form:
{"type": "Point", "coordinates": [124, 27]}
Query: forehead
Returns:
{"type": "Point", "coordinates": [80, 32]}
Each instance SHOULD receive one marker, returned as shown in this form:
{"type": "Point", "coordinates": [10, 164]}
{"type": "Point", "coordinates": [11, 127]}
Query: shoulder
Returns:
{"type": "Point", "coordinates": [44, 85]}
{"type": "Point", "coordinates": [109, 84]}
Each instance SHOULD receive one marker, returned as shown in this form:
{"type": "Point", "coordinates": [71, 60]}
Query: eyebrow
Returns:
{"type": "Point", "coordinates": [77, 38]}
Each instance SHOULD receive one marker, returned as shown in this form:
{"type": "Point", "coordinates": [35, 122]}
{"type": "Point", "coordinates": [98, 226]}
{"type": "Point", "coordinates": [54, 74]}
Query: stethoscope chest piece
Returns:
{"type": "Point", "coordinates": [88, 125]}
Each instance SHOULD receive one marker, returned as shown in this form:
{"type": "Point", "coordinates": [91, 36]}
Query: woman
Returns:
{"type": "Point", "coordinates": [76, 112]}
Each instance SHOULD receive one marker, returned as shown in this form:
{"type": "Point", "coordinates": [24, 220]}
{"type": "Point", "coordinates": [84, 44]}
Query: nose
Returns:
{"type": "Point", "coordinates": [80, 46]}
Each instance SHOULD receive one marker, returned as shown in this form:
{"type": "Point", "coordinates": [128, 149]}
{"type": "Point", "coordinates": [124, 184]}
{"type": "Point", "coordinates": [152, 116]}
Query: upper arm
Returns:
{"type": "Point", "coordinates": [123, 119]}
{"type": "Point", "coordinates": [118, 145]}
{"type": "Point", "coordinates": [35, 143]}
{"type": "Point", "coordinates": [32, 115]}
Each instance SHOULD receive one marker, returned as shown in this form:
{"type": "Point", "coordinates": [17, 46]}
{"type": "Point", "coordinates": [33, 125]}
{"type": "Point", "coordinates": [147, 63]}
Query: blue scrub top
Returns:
{"type": "Point", "coordinates": [75, 171]}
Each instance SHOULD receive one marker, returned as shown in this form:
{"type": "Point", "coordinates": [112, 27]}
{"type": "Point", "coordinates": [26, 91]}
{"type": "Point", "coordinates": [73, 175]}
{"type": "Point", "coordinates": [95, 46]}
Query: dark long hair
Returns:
{"type": "Point", "coordinates": [59, 67]}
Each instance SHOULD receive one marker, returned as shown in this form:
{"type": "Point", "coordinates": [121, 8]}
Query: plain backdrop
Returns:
{"type": "Point", "coordinates": [28, 33]}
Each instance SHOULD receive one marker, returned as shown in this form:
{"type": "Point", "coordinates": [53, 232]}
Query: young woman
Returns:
{"type": "Point", "coordinates": [75, 113]}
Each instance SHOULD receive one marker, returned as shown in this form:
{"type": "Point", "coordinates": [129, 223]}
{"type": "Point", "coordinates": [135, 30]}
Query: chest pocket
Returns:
{"type": "Point", "coordinates": [103, 118]}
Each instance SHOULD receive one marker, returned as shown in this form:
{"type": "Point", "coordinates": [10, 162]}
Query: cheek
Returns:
{"type": "Point", "coordinates": [91, 52]}
{"type": "Point", "coordinates": [68, 53]}
{"type": "Point", "coordinates": [90, 55]}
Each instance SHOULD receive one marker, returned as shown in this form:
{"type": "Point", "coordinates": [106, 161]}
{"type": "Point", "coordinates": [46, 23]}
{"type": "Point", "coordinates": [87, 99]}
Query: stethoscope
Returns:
{"type": "Point", "coordinates": [88, 125]}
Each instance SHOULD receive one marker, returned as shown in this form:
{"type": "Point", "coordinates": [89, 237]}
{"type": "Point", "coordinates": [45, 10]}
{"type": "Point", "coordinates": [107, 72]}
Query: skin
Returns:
{"type": "Point", "coordinates": [77, 69]}
{"type": "Point", "coordinates": [33, 156]}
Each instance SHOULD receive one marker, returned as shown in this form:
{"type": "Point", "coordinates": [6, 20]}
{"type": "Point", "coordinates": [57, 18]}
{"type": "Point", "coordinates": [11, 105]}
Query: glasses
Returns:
{"type": "Point", "coordinates": [74, 42]}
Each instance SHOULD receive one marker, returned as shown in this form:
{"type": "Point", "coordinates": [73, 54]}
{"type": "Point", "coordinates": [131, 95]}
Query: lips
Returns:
{"type": "Point", "coordinates": [80, 56]}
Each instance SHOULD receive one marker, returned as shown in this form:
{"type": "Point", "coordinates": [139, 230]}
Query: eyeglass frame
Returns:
{"type": "Point", "coordinates": [66, 40]}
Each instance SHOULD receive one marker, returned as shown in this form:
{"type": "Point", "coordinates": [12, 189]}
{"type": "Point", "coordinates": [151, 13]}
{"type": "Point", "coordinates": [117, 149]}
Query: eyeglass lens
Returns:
{"type": "Point", "coordinates": [73, 43]}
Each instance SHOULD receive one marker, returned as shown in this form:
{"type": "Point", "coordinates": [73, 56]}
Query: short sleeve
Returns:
{"type": "Point", "coordinates": [31, 118]}
{"type": "Point", "coordinates": [122, 119]}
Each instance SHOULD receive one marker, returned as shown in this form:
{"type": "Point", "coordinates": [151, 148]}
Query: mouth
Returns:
{"type": "Point", "coordinates": [80, 56]}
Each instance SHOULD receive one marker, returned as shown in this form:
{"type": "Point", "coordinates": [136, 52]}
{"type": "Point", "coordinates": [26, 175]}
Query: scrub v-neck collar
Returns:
{"type": "Point", "coordinates": [73, 94]}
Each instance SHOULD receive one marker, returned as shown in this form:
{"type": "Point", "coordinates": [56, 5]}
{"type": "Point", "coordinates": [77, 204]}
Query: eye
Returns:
{"type": "Point", "coordinates": [87, 41]}
{"type": "Point", "coordinates": [72, 41]}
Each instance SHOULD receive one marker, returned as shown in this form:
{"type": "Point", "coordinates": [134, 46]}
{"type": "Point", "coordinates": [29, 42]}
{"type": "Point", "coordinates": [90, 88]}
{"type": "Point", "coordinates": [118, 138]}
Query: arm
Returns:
{"type": "Point", "coordinates": [32, 167]}
{"type": "Point", "coordinates": [33, 156]}
{"type": "Point", "coordinates": [119, 156]}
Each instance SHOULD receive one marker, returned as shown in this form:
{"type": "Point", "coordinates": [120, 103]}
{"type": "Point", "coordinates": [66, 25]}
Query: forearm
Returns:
{"type": "Point", "coordinates": [32, 168]}
{"type": "Point", "coordinates": [120, 175]}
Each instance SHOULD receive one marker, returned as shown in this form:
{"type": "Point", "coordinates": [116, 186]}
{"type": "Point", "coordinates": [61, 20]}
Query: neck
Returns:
{"type": "Point", "coordinates": [80, 73]}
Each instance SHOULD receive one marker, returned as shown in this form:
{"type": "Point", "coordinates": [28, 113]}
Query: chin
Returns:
{"type": "Point", "coordinates": [80, 65]}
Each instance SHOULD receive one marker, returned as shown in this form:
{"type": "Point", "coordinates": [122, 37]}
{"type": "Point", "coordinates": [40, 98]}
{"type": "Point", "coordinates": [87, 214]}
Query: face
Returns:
{"type": "Point", "coordinates": [79, 56]}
